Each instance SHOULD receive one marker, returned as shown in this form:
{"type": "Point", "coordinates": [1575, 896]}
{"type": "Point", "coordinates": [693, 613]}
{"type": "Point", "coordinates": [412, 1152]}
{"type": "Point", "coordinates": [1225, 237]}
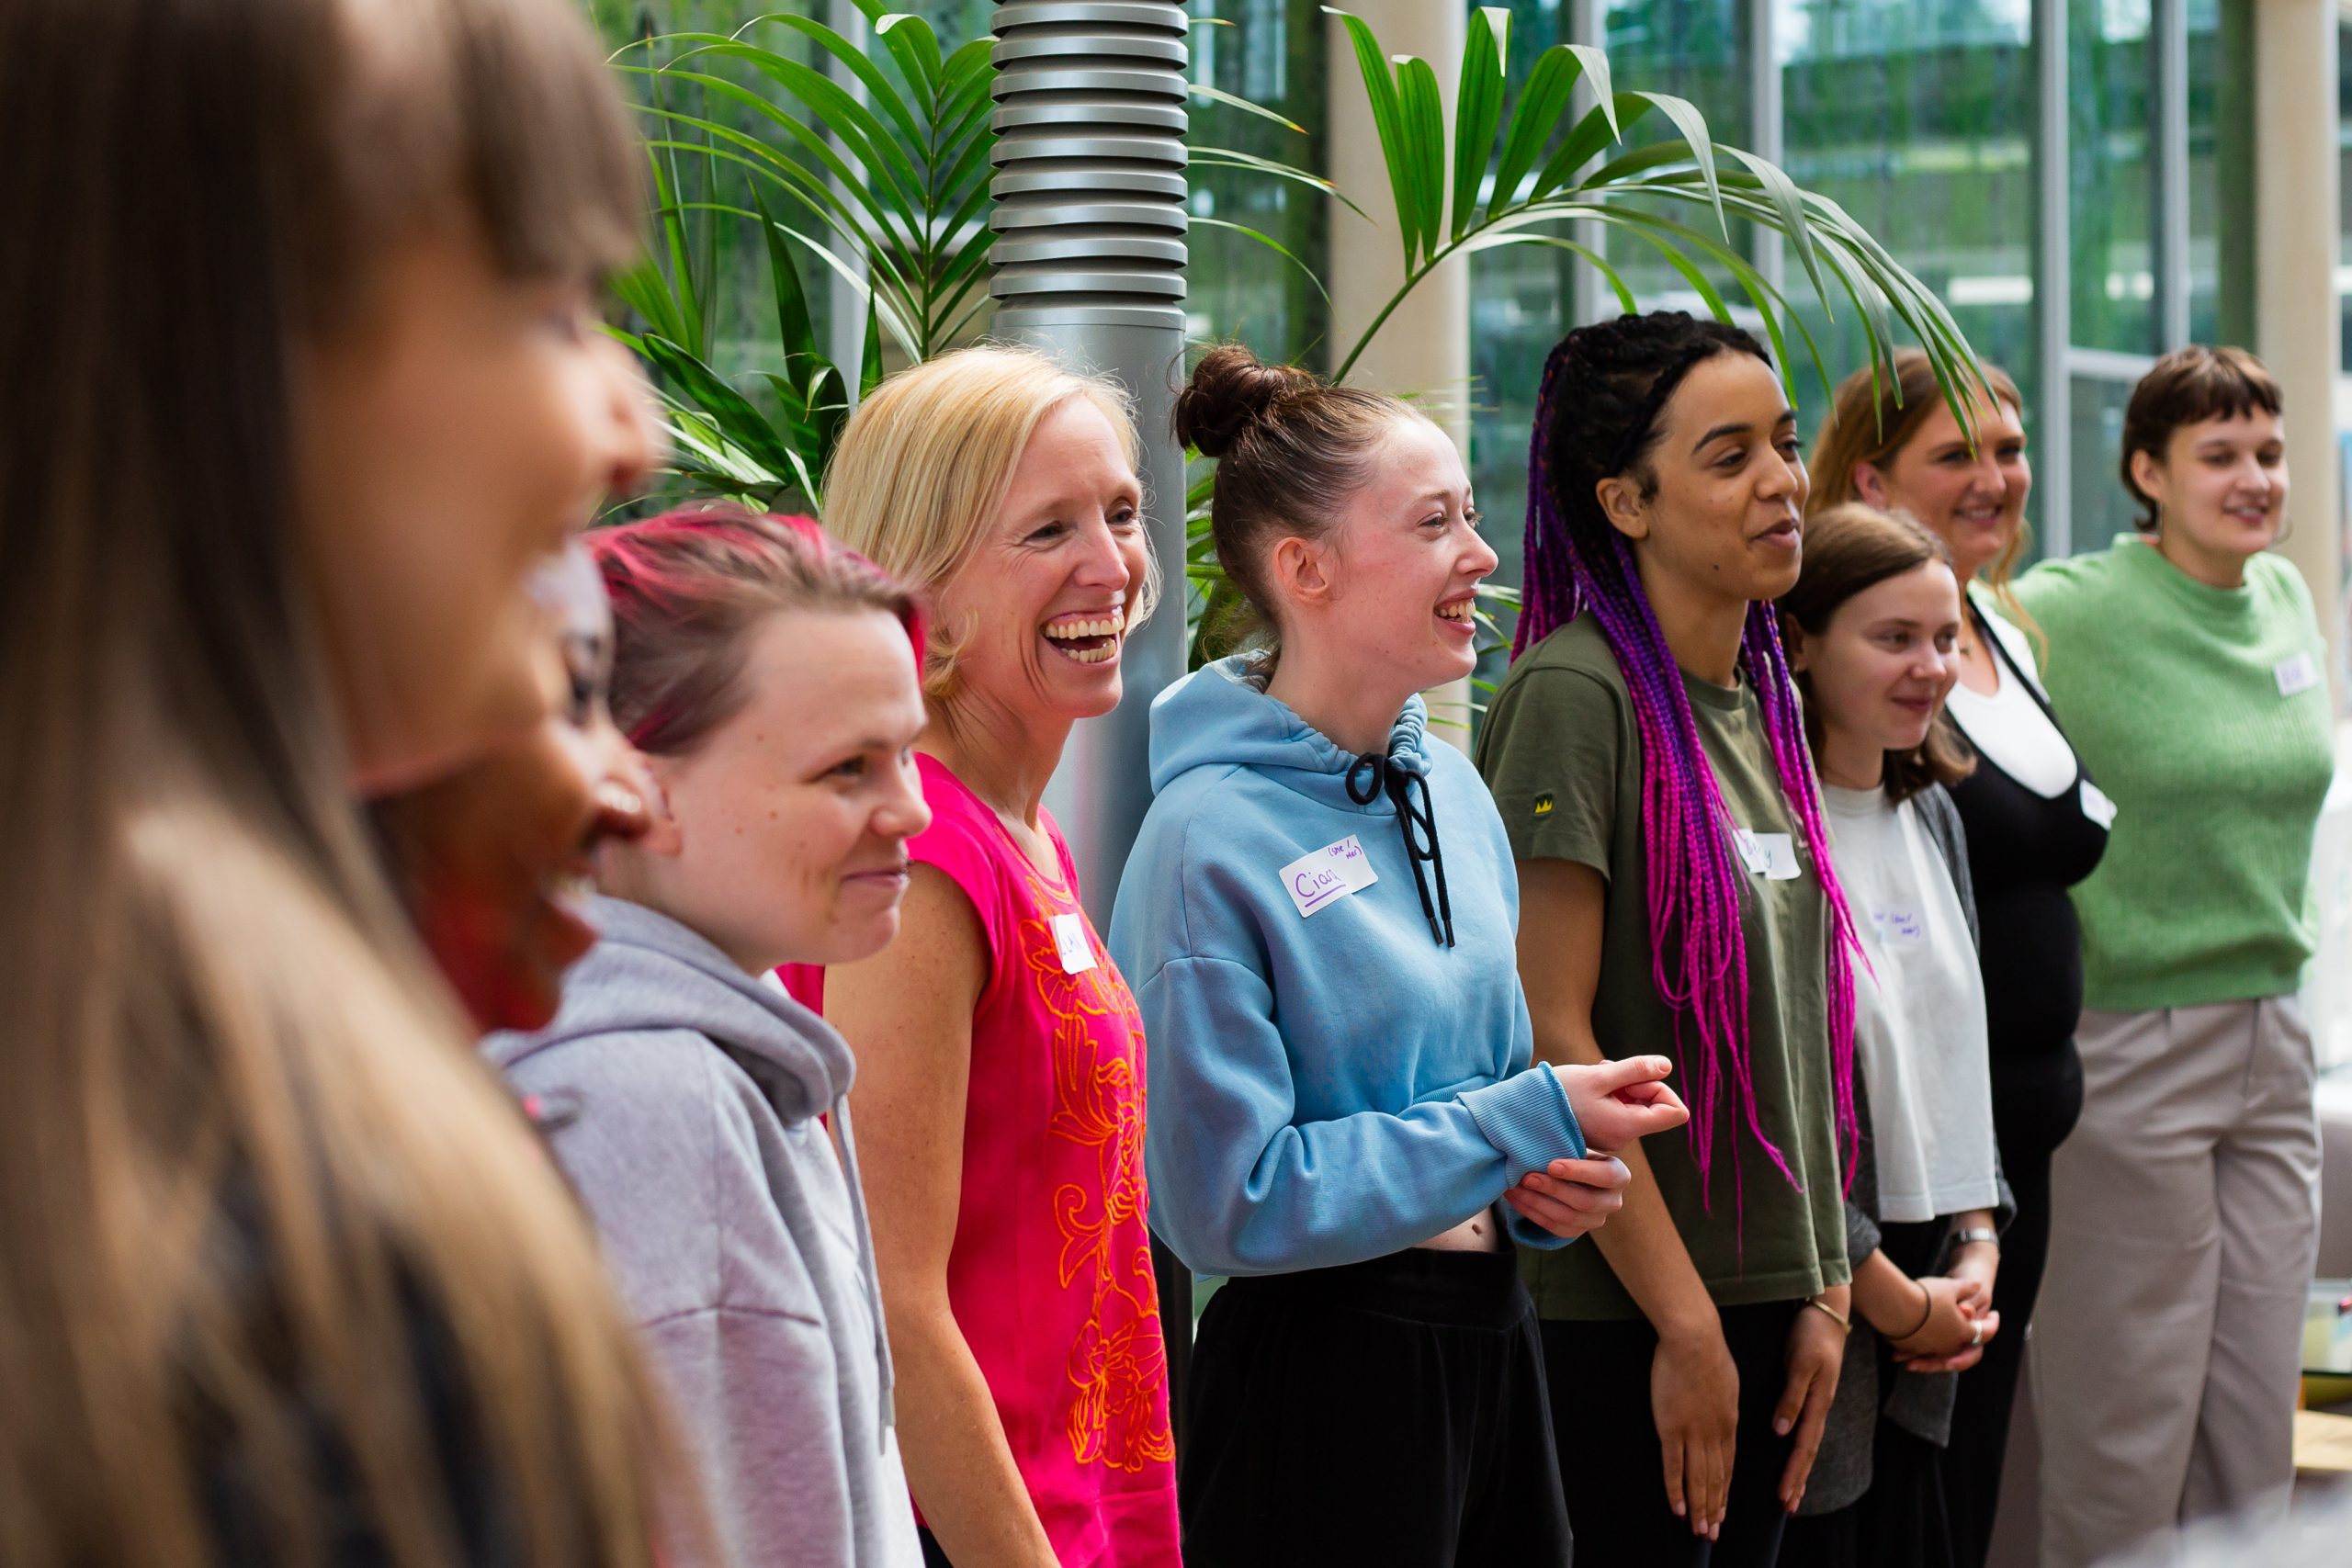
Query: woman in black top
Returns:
{"type": "Point", "coordinates": [2036, 826]}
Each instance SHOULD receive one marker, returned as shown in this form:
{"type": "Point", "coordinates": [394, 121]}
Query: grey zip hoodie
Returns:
{"type": "Point", "coordinates": [683, 1098]}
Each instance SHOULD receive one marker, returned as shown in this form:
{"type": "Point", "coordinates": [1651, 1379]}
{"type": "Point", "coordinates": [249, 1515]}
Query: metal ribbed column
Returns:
{"type": "Point", "coordinates": [1089, 267]}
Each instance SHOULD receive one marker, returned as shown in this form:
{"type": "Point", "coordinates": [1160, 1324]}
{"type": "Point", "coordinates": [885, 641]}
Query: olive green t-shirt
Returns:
{"type": "Point", "coordinates": [1563, 757]}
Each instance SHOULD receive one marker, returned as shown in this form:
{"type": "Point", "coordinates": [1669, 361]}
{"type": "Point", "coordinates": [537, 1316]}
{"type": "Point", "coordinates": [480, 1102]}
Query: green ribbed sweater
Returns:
{"type": "Point", "coordinates": [2170, 690]}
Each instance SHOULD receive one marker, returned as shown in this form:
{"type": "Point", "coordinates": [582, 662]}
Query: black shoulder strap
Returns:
{"type": "Point", "coordinates": [2033, 689]}
{"type": "Point", "coordinates": [2001, 651]}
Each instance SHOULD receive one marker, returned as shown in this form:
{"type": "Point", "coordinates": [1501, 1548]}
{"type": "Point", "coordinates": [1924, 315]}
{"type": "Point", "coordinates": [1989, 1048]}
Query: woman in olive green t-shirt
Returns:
{"type": "Point", "coordinates": [1652, 709]}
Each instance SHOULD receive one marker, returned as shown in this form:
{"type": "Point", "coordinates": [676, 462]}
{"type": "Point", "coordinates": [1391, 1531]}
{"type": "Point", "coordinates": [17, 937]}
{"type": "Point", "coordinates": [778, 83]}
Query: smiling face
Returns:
{"type": "Point", "coordinates": [1879, 671]}
{"type": "Point", "coordinates": [451, 436]}
{"type": "Point", "coordinates": [1041, 609]}
{"type": "Point", "coordinates": [1974, 499]}
{"type": "Point", "coordinates": [781, 836]}
{"type": "Point", "coordinates": [1721, 517]}
{"type": "Point", "coordinates": [1399, 567]}
{"type": "Point", "coordinates": [2219, 491]}
{"type": "Point", "coordinates": [495, 859]}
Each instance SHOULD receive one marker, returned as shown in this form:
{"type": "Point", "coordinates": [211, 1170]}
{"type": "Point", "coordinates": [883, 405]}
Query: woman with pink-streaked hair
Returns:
{"type": "Point", "coordinates": [1649, 760]}
{"type": "Point", "coordinates": [768, 679]}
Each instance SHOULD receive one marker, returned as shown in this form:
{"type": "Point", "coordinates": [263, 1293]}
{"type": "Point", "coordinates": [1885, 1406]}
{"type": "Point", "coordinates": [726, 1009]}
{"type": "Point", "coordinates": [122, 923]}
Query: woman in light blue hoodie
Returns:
{"type": "Point", "coordinates": [1319, 920]}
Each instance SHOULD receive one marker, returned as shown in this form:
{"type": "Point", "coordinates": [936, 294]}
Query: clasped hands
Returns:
{"type": "Point", "coordinates": [1616, 1104]}
{"type": "Point", "coordinates": [1961, 1320]}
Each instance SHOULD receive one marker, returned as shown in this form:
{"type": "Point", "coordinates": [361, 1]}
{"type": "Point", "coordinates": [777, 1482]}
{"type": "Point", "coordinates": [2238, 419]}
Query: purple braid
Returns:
{"type": "Point", "coordinates": [1629, 368]}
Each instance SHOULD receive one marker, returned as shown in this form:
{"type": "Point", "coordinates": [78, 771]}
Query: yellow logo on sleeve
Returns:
{"type": "Point", "coordinates": [1542, 806]}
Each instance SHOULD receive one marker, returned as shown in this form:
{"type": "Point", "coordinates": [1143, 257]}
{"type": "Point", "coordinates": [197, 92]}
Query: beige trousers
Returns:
{"type": "Point", "coordinates": [2168, 1343]}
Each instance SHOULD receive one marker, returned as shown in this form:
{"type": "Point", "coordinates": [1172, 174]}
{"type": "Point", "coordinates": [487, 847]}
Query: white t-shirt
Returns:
{"type": "Point", "coordinates": [1919, 1012]}
{"type": "Point", "coordinates": [2008, 728]}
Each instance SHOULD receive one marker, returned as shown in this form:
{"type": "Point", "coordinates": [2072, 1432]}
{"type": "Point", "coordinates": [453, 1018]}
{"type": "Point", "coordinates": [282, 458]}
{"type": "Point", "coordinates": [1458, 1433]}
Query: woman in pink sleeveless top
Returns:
{"type": "Point", "coordinates": [1001, 1079]}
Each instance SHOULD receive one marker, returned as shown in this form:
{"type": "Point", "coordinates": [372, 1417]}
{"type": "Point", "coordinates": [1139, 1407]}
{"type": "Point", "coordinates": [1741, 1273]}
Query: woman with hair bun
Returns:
{"type": "Point", "coordinates": [1319, 914]}
{"type": "Point", "coordinates": [1649, 760]}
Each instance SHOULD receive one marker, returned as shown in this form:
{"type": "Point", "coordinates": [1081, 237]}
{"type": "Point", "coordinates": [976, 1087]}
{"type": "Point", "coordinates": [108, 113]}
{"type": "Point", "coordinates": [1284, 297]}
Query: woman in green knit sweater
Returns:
{"type": "Point", "coordinates": [2189, 671]}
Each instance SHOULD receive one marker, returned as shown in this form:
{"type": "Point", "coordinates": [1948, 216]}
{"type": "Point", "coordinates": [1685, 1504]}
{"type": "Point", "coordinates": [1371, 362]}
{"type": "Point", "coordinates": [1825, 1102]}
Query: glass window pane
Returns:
{"type": "Point", "coordinates": [2110, 111]}
{"type": "Point", "coordinates": [2100, 508]}
{"type": "Point", "coordinates": [1918, 121]}
{"type": "Point", "coordinates": [1695, 49]}
{"type": "Point", "coordinates": [2220, 176]}
{"type": "Point", "coordinates": [1271, 55]}
{"type": "Point", "coordinates": [1519, 308]}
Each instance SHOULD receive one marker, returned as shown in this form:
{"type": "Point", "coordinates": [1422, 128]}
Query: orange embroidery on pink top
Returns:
{"type": "Point", "coordinates": [1118, 1362]}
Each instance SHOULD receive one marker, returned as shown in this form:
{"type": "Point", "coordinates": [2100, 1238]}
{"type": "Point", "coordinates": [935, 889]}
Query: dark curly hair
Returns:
{"type": "Point", "coordinates": [1599, 416]}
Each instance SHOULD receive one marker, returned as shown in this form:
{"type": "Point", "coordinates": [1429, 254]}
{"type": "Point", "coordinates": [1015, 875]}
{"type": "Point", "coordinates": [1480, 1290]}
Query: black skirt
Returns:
{"type": "Point", "coordinates": [1386, 1412]}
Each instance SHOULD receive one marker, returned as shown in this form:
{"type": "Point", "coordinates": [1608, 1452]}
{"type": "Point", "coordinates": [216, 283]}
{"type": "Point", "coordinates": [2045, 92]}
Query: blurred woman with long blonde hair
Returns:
{"type": "Point", "coordinates": [298, 385]}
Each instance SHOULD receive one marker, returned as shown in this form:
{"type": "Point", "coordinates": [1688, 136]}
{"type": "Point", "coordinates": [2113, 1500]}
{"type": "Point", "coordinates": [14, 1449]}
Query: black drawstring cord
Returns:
{"type": "Point", "coordinates": [1397, 784]}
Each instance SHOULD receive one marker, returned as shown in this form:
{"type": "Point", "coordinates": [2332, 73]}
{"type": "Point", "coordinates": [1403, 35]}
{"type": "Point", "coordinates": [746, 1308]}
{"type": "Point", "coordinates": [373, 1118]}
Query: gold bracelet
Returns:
{"type": "Point", "coordinates": [1845, 1324]}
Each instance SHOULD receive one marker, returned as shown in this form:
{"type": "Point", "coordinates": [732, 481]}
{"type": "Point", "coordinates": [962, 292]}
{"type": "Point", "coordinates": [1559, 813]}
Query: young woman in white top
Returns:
{"type": "Point", "coordinates": [1872, 627]}
{"type": "Point", "coordinates": [2036, 823]}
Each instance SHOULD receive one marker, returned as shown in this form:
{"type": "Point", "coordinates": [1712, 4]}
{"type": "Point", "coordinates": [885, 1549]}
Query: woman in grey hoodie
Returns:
{"type": "Point", "coordinates": [770, 680]}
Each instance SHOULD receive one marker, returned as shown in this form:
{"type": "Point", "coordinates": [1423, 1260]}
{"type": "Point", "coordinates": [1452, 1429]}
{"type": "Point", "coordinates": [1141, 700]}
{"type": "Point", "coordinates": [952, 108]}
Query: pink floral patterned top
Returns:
{"type": "Point", "coordinates": [1050, 1275]}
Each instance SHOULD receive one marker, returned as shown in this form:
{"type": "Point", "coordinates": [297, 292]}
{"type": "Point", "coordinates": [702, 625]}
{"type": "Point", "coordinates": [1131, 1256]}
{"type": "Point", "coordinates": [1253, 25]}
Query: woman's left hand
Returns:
{"type": "Point", "coordinates": [1572, 1197]}
{"type": "Point", "coordinates": [1816, 1353]}
{"type": "Point", "coordinates": [1977, 1263]}
{"type": "Point", "coordinates": [1987, 1324]}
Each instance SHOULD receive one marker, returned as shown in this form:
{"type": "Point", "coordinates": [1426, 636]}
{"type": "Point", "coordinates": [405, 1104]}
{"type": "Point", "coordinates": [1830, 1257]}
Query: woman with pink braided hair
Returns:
{"type": "Point", "coordinates": [1649, 760]}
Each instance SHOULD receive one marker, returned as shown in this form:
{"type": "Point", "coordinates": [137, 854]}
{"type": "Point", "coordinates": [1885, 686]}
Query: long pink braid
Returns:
{"type": "Point", "coordinates": [1577, 563]}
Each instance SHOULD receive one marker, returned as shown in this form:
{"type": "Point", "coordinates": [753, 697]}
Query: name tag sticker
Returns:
{"type": "Point", "coordinates": [1069, 941]}
{"type": "Point", "coordinates": [1900, 925]}
{"type": "Point", "coordinates": [1772, 856]}
{"type": "Point", "coordinates": [2095, 805]}
{"type": "Point", "coordinates": [1318, 881]}
{"type": "Point", "coordinates": [2298, 673]}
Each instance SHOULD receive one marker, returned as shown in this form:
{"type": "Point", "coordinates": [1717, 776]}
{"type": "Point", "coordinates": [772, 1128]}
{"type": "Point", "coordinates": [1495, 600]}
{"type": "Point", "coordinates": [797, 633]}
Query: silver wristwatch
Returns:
{"type": "Point", "coordinates": [1976, 1232]}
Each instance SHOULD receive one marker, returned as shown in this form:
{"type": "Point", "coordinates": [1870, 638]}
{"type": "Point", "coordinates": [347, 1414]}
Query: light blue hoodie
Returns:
{"type": "Point", "coordinates": [1338, 1085]}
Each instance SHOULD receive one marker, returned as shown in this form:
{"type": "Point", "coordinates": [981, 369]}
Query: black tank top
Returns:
{"type": "Point", "coordinates": [2025, 850]}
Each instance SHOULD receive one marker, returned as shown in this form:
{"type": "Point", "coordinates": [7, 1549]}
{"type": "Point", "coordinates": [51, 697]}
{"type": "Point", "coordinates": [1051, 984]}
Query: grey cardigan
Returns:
{"type": "Point", "coordinates": [1919, 1402]}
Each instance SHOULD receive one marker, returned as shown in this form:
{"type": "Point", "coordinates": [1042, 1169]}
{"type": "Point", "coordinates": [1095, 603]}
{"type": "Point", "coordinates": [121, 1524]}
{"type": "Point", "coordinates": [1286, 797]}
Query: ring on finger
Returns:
{"type": "Point", "coordinates": [1976, 1332]}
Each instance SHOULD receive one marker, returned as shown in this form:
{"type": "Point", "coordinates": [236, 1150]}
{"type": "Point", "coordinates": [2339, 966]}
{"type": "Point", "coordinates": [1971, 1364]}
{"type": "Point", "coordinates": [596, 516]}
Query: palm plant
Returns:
{"type": "Point", "coordinates": [894, 182]}
{"type": "Point", "coordinates": [1519, 182]}
{"type": "Point", "coordinates": [893, 179]}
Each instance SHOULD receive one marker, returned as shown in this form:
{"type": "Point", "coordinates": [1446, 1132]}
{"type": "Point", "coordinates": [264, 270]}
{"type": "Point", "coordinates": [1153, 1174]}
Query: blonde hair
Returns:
{"type": "Point", "coordinates": [926, 463]}
{"type": "Point", "coordinates": [1872, 421]}
{"type": "Point", "coordinates": [280, 1260]}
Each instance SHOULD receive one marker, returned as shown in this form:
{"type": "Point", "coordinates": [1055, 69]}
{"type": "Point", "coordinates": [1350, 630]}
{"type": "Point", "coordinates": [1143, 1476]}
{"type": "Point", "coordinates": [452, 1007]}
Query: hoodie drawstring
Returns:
{"type": "Point", "coordinates": [1397, 784]}
{"type": "Point", "coordinates": [846, 1141]}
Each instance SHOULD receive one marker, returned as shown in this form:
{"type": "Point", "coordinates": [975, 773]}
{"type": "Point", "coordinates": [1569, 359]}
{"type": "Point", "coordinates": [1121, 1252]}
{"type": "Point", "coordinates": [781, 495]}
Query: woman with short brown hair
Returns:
{"type": "Point", "coordinates": [2189, 670]}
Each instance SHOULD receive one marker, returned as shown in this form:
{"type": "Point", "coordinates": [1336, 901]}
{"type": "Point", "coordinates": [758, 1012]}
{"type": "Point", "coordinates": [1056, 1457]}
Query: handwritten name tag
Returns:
{"type": "Point", "coordinates": [1900, 925]}
{"type": "Point", "coordinates": [2297, 674]}
{"type": "Point", "coordinates": [1318, 881]}
{"type": "Point", "coordinates": [2097, 806]}
{"type": "Point", "coordinates": [1772, 856]}
{"type": "Point", "coordinates": [1069, 941]}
